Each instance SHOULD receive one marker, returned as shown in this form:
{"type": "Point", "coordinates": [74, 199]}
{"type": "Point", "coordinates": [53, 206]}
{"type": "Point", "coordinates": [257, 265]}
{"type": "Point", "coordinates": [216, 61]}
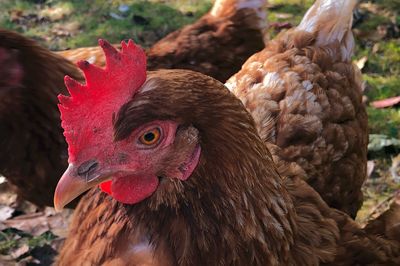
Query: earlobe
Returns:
{"type": "Point", "coordinates": [187, 165]}
{"type": "Point", "coordinates": [184, 155]}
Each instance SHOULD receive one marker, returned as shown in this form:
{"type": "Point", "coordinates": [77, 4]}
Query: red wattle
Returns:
{"type": "Point", "coordinates": [133, 189]}
{"type": "Point", "coordinates": [106, 187]}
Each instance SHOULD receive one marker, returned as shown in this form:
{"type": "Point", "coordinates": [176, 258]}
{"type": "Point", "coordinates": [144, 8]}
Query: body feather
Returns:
{"type": "Point", "coordinates": [306, 97]}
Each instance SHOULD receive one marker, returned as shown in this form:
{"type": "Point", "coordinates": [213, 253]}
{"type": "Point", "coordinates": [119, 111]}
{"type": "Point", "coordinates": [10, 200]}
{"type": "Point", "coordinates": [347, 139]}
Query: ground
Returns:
{"type": "Point", "coordinates": [31, 236]}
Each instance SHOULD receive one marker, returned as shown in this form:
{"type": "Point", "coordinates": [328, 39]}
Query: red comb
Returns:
{"type": "Point", "coordinates": [105, 91]}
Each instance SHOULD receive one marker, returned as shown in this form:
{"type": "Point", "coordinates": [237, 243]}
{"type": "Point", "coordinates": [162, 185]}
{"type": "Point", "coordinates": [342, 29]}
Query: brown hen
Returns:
{"type": "Point", "coordinates": [216, 45]}
{"type": "Point", "coordinates": [305, 96]}
{"type": "Point", "coordinates": [235, 209]}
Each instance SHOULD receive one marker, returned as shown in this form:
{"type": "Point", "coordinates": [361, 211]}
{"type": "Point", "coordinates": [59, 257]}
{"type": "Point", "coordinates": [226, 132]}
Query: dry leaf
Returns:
{"type": "Point", "coordinates": [389, 102]}
{"type": "Point", "coordinates": [55, 13]}
{"type": "Point", "coordinates": [370, 168]}
{"type": "Point", "coordinates": [361, 62]}
{"type": "Point", "coordinates": [29, 261]}
{"type": "Point", "coordinates": [283, 15]}
{"type": "Point", "coordinates": [7, 260]}
{"type": "Point", "coordinates": [6, 212]}
{"type": "Point", "coordinates": [376, 48]}
{"type": "Point", "coordinates": [20, 251]}
{"type": "Point", "coordinates": [40, 222]}
{"type": "Point", "coordinates": [395, 169]}
{"type": "Point", "coordinates": [7, 196]}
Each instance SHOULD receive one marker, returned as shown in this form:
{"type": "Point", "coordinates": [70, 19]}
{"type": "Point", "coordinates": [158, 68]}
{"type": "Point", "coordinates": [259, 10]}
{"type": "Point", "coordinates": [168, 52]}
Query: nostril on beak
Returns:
{"type": "Point", "coordinates": [87, 167]}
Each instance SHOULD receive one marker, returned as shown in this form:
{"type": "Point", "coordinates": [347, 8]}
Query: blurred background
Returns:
{"type": "Point", "coordinates": [31, 235]}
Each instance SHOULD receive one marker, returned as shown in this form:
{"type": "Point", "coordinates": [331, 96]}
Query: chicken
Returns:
{"type": "Point", "coordinates": [33, 150]}
{"type": "Point", "coordinates": [186, 179]}
{"type": "Point", "coordinates": [306, 97]}
{"type": "Point", "coordinates": [31, 131]}
{"type": "Point", "coordinates": [216, 45]}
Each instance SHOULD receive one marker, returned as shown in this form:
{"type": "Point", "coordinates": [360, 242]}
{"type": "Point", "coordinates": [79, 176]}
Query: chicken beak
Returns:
{"type": "Point", "coordinates": [71, 185]}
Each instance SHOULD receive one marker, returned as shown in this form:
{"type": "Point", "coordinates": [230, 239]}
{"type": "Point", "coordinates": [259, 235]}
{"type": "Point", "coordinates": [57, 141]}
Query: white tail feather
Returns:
{"type": "Point", "coordinates": [331, 20]}
{"type": "Point", "coordinates": [258, 5]}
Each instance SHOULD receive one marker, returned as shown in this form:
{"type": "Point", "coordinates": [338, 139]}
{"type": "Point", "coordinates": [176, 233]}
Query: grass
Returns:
{"type": "Point", "coordinates": [287, 11]}
{"type": "Point", "coordinates": [382, 86]}
{"type": "Point", "coordinates": [384, 121]}
{"type": "Point", "coordinates": [11, 239]}
{"type": "Point", "coordinates": [69, 24]}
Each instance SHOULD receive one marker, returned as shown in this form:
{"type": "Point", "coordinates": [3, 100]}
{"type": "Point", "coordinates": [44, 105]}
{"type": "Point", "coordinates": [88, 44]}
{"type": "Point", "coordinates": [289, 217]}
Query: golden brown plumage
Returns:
{"type": "Point", "coordinates": [305, 96]}
{"type": "Point", "coordinates": [216, 45]}
{"type": "Point", "coordinates": [33, 150]}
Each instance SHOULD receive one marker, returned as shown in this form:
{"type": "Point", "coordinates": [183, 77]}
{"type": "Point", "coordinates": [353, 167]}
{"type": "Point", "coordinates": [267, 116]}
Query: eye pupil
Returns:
{"type": "Point", "coordinates": [149, 136]}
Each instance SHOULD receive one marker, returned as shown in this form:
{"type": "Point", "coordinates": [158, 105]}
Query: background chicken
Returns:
{"type": "Point", "coordinates": [32, 146]}
{"type": "Point", "coordinates": [192, 181]}
{"type": "Point", "coordinates": [306, 98]}
{"type": "Point", "coordinates": [216, 45]}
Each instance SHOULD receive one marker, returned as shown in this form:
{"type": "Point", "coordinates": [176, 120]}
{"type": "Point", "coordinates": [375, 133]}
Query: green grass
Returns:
{"type": "Point", "coordinates": [384, 121]}
{"type": "Point", "coordinates": [388, 4]}
{"type": "Point", "coordinates": [11, 239]}
{"type": "Point", "coordinates": [145, 21]}
{"type": "Point", "coordinates": [372, 22]}
{"type": "Point", "coordinates": [382, 86]}
{"type": "Point", "coordinates": [382, 70]}
{"type": "Point", "coordinates": [292, 11]}
{"type": "Point", "coordinates": [385, 60]}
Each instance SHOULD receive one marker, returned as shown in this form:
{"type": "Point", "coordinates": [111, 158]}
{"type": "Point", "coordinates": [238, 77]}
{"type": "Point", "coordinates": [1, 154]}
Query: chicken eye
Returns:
{"type": "Point", "coordinates": [150, 137]}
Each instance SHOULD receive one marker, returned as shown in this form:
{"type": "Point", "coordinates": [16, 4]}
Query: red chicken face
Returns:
{"type": "Point", "coordinates": [128, 169]}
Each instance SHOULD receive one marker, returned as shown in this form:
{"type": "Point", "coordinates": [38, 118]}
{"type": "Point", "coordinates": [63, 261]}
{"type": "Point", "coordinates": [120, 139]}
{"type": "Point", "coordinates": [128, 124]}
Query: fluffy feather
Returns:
{"type": "Point", "coordinates": [332, 21]}
{"type": "Point", "coordinates": [306, 97]}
